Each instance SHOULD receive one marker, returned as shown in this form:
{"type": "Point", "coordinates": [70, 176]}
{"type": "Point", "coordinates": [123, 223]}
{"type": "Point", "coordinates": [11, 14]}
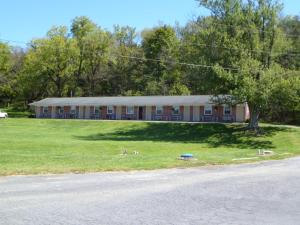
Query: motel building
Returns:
{"type": "Point", "coordinates": [194, 108]}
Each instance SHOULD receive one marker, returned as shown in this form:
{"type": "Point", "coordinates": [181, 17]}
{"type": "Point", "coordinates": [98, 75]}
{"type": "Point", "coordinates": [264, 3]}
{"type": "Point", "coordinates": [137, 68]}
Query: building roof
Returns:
{"type": "Point", "coordinates": [126, 101]}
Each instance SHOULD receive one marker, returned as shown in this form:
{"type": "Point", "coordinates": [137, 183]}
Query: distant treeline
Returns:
{"type": "Point", "coordinates": [243, 49]}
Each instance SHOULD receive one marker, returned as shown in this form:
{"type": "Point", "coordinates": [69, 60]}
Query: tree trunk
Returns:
{"type": "Point", "coordinates": [254, 117]}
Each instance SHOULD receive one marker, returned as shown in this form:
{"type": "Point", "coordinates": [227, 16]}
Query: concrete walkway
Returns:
{"type": "Point", "coordinates": [261, 193]}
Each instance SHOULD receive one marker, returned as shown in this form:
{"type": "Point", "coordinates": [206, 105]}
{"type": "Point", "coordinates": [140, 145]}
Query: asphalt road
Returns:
{"type": "Point", "coordinates": [263, 193]}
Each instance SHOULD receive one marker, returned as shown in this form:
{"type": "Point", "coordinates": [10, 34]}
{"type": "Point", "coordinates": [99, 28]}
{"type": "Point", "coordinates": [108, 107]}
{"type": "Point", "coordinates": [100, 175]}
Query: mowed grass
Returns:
{"type": "Point", "coordinates": [30, 146]}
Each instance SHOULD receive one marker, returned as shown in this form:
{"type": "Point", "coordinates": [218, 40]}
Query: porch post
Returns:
{"type": "Point", "coordinates": [186, 113]}
{"type": "Point", "coordinates": [53, 112]}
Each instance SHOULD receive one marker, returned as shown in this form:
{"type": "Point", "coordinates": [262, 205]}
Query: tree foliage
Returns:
{"type": "Point", "coordinates": [51, 62]}
{"type": "Point", "coordinates": [253, 27]}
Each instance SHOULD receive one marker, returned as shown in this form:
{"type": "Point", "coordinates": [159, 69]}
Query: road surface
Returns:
{"type": "Point", "coordinates": [260, 193]}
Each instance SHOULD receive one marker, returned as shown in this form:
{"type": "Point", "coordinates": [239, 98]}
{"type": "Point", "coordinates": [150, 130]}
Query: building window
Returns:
{"type": "Point", "coordinates": [175, 110]}
{"type": "Point", "coordinates": [130, 110]}
{"type": "Point", "coordinates": [208, 110]}
{"type": "Point", "coordinates": [110, 109]}
{"type": "Point", "coordinates": [45, 109]}
{"type": "Point", "coordinates": [60, 109]}
{"type": "Point", "coordinates": [159, 110]}
{"type": "Point", "coordinates": [227, 110]}
{"type": "Point", "coordinates": [97, 109]}
{"type": "Point", "coordinates": [73, 109]}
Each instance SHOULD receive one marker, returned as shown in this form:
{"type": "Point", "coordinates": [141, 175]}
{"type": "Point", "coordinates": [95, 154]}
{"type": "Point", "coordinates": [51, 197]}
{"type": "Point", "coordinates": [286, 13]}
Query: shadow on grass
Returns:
{"type": "Point", "coordinates": [215, 135]}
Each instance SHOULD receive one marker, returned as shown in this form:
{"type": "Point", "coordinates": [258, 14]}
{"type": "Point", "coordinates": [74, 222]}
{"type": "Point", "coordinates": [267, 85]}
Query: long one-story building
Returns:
{"type": "Point", "coordinates": [167, 108]}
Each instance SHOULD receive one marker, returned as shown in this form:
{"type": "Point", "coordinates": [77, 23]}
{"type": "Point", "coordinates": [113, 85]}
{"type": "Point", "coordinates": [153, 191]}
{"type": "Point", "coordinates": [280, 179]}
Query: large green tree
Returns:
{"type": "Point", "coordinates": [284, 103]}
{"type": "Point", "coordinates": [162, 70]}
{"type": "Point", "coordinates": [96, 56]}
{"type": "Point", "coordinates": [81, 27]}
{"type": "Point", "coordinates": [7, 91]}
{"type": "Point", "coordinates": [51, 62]}
{"type": "Point", "coordinates": [126, 77]}
{"type": "Point", "coordinates": [250, 30]}
{"type": "Point", "coordinates": [291, 57]}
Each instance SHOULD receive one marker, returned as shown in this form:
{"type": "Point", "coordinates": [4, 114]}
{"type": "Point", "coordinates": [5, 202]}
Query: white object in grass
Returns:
{"type": "Point", "coordinates": [3, 115]}
{"type": "Point", "coordinates": [265, 152]}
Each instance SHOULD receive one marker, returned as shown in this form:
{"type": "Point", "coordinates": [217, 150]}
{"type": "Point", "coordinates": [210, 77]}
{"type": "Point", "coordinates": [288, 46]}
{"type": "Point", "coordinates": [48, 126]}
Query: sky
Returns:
{"type": "Point", "coordinates": [21, 20]}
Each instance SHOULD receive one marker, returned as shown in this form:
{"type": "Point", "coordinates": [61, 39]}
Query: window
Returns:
{"type": "Point", "coordinates": [208, 110]}
{"type": "Point", "coordinates": [45, 109]}
{"type": "Point", "coordinates": [130, 110]}
{"type": "Point", "coordinates": [97, 109]}
{"type": "Point", "coordinates": [73, 109]}
{"type": "Point", "coordinates": [159, 110]}
{"type": "Point", "coordinates": [227, 110]}
{"type": "Point", "coordinates": [175, 110]}
{"type": "Point", "coordinates": [60, 109]}
{"type": "Point", "coordinates": [110, 109]}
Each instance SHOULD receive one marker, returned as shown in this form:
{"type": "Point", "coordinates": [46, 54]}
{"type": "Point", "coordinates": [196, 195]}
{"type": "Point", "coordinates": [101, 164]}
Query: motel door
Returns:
{"type": "Point", "coordinates": [141, 112]}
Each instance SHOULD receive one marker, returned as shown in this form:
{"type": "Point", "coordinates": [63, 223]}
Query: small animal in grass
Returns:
{"type": "Point", "coordinates": [124, 152]}
{"type": "Point", "coordinates": [136, 152]}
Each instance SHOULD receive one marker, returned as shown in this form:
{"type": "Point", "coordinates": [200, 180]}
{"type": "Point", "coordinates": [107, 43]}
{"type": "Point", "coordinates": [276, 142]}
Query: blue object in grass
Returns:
{"type": "Point", "coordinates": [187, 155]}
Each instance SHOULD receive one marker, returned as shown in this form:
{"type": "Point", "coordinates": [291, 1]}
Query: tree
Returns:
{"type": "Point", "coordinates": [81, 27]}
{"type": "Point", "coordinates": [284, 103]}
{"type": "Point", "coordinates": [291, 58]}
{"type": "Point", "coordinates": [96, 56]}
{"type": "Point", "coordinates": [126, 77]}
{"type": "Point", "coordinates": [5, 62]}
{"type": "Point", "coordinates": [201, 44]}
{"type": "Point", "coordinates": [6, 78]}
{"type": "Point", "coordinates": [253, 27]}
{"type": "Point", "coordinates": [52, 61]}
{"type": "Point", "coordinates": [161, 49]}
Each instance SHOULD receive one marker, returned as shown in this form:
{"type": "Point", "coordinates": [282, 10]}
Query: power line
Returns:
{"type": "Point", "coordinates": [258, 31]}
{"type": "Point", "coordinates": [249, 50]}
{"type": "Point", "coordinates": [178, 63]}
{"type": "Point", "coordinates": [195, 65]}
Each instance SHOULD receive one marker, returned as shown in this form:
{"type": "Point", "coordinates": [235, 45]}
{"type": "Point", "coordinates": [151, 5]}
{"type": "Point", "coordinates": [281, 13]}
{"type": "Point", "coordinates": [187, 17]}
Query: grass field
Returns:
{"type": "Point", "coordinates": [30, 146]}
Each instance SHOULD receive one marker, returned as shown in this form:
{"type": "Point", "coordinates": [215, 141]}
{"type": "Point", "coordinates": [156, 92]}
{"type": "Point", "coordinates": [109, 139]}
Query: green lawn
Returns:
{"type": "Point", "coordinates": [30, 146]}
